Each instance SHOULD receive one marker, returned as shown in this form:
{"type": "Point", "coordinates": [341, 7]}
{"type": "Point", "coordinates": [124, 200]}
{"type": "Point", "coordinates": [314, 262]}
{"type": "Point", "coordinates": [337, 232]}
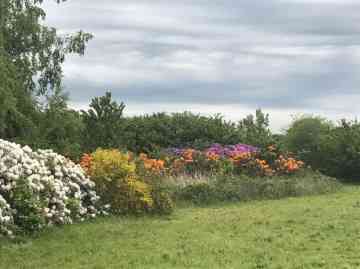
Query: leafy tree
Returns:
{"type": "Point", "coordinates": [18, 110]}
{"type": "Point", "coordinates": [341, 151]}
{"type": "Point", "coordinates": [60, 127]}
{"type": "Point", "coordinates": [29, 50]}
{"type": "Point", "coordinates": [279, 141]}
{"type": "Point", "coordinates": [103, 123]}
{"type": "Point", "coordinates": [35, 49]}
{"type": "Point", "coordinates": [305, 137]}
{"type": "Point", "coordinates": [255, 130]}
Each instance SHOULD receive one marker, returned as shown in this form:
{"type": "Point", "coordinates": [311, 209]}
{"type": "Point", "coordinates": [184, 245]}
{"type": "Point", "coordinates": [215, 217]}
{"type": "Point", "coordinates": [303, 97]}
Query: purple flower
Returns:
{"type": "Point", "coordinates": [174, 151]}
{"type": "Point", "coordinates": [230, 150]}
{"type": "Point", "coordinates": [218, 149]}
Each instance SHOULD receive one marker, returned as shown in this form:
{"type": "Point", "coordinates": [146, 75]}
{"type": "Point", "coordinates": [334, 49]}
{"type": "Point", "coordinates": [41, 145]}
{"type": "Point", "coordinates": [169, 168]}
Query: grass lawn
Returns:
{"type": "Point", "coordinates": [311, 232]}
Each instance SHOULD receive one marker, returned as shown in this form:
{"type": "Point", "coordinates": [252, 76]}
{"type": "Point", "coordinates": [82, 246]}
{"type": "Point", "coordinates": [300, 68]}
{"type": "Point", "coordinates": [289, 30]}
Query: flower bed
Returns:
{"type": "Point", "coordinates": [228, 160]}
{"type": "Point", "coordinates": [42, 188]}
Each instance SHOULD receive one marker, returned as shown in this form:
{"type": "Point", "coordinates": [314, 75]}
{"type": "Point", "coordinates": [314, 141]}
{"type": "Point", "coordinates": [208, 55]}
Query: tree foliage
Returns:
{"type": "Point", "coordinates": [31, 58]}
{"type": "Point", "coordinates": [254, 130]}
{"type": "Point", "coordinates": [35, 49]}
{"type": "Point", "coordinates": [103, 123]}
{"type": "Point", "coordinates": [60, 127]}
{"type": "Point", "coordinates": [341, 151]}
{"type": "Point", "coordinates": [305, 137]}
{"type": "Point", "coordinates": [18, 110]}
{"type": "Point", "coordinates": [149, 133]}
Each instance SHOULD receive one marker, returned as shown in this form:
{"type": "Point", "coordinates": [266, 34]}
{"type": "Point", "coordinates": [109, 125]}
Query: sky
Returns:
{"type": "Point", "coordinates": [287, 57]}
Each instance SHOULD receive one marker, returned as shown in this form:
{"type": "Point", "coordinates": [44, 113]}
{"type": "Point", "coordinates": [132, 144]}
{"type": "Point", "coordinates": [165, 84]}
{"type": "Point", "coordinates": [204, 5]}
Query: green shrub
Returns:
{"type": "Point", "coordinates": [163, 203]}
{"type": "Point", "coordinates": [254, 130]}
{"type": "Point", "coordinates": [28, 208]}
{"type": "Point", "coordinates": [341, 151]}
{"type": "Point", "coordinates": [245, 188]}
{"type": "Point", "coordinates": [334, 150]}
{"type": "Point", "coordinates": [150, 133]}
{"type": "Point", "coordinates": [305, 138]}
{"type": "Point", "coordinates": [198, 193]}
{"type": "Point", "coordinates": [303, 183]}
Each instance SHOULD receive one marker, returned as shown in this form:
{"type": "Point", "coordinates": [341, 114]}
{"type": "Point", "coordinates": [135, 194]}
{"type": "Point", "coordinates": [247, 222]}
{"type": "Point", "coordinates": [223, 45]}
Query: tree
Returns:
{"type": "Point", "coordinates": [103, 123]}
{"type": "Point", "coordinates": [60, 127]}
{"type": "Point", "coordinates": [341, 151]}
{"type": "Point", "coordinates": [305, 137]}
{"type": "Point", "coordinates": [255, 130]}
{"type": "Point", "coordinates": [18, 110]}
{"type": "Point", "coordinates": [36, 49]}
{"type": "Point", "coordinates": [29, 50]}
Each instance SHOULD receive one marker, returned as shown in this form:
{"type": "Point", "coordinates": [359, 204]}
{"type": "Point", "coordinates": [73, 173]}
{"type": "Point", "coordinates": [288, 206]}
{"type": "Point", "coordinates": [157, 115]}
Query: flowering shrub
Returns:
{"type": "Point", "coordinates": [118, 184]}
{"type": "Point", "coordinates": [259, 167]}
{"type": "Point", "coordinates": [232, 159]}
{"type": "Point", "coordinates": [153, 171]}
{"type": "Point", "coordinates": [150, 166]}
{"type": "Point", "coordinates": [288, 165]}
{"type": "Point", "coordinates": [6, 218]}
{"type": "Point", "coordinates": [41, 188]}
{"type": "Point", "coordinates": [132, 196]}
{"type": "Point", "coordinates": [105, 165]}
{"type": "Point", "coordinates": [230, 151]}
{"type": "Point", "coordinates": [113, 173]}
{"type": "Point", "coordinates": [85, 162]}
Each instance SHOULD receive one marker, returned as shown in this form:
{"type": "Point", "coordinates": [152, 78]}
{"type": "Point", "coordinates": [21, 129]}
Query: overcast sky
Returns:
{"type": "Point", "coordinates": [217, 56]}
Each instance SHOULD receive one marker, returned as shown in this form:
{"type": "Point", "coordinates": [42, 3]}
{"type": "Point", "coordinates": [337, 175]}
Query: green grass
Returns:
{"type": "Point", "coordinates": [311, 232]}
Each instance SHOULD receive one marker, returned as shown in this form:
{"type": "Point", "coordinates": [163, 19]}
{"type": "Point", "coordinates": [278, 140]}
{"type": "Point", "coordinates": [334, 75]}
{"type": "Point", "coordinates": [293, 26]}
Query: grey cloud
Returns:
{"type": "Point", "coordinates": [278, 54]}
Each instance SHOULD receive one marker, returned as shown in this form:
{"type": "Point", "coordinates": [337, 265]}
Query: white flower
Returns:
{"type": "Point", "coordinates": [51, 178]}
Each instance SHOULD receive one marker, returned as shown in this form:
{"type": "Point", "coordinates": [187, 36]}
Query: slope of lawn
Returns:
{"type": "Point", "coordinates": [311, 232]}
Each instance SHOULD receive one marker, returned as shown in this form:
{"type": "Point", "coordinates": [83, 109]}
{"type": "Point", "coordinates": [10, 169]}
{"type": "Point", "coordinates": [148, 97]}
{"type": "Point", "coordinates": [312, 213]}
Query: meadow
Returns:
{"type": "Point", "coordinates": [307, 232]}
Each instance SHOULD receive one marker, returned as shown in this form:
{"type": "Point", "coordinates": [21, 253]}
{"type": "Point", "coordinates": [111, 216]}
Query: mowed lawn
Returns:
{"type": "Point", "coordinates": [312, 232]}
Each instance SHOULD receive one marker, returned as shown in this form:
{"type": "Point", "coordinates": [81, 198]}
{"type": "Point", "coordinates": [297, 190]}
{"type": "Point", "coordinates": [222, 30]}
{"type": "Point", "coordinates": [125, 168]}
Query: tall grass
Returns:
{"type": "Point", "coordinates": [244, 188]}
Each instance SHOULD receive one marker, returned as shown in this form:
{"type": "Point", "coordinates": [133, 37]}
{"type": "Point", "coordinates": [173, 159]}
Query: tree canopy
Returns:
{"type": "Point", "coordinates": [35, 49]}
{"type": "Point", "coordinates": [31, 59]}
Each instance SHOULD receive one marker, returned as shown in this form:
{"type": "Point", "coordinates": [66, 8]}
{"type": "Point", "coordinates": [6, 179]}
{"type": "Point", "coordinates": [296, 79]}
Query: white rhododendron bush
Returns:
{"type": "Point", "coordinates": [40, 189]}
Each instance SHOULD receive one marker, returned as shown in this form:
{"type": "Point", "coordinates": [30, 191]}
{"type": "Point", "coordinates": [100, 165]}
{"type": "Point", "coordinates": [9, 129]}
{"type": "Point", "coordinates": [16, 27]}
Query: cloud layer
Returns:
{"type": "Point", "coordinates": [225, 56]}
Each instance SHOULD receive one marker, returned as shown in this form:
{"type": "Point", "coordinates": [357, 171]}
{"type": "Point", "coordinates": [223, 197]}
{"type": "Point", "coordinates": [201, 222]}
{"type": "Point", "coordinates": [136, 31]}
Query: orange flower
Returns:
{"type": "Point", "coordinates": [152, 165]}
{"type": "Point", "coordinates": [211, 156]}
{"type": "Point", "coordinates": [288, 165]}
{"type": "Point", "coordinates": [85, 162]}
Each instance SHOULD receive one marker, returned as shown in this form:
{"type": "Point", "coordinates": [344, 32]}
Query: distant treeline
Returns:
{"type": "Point", "coordinates": [71, 132]}
{"type": "Point", "coordinates": [331, 148]}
